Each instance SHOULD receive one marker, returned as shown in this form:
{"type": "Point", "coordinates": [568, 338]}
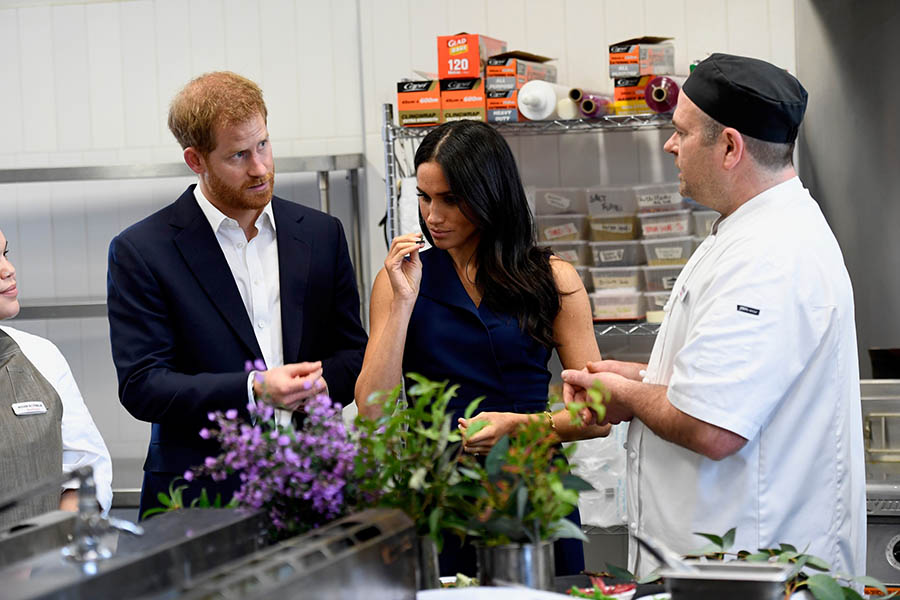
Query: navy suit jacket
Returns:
{"type": "Point", "coordinates": [180, 332]}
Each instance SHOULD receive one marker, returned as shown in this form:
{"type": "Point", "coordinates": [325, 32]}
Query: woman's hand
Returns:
{"type": "Point", "coordinates": [498, 425]}
{"type": "Point", "coordinates": [404, 267]}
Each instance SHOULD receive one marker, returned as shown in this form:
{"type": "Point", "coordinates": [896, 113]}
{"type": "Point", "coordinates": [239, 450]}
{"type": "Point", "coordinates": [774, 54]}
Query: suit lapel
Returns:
{"type": "Point", "coordinates": [294, 258]}
{"type": "Point", "coordinates": [200, 249]}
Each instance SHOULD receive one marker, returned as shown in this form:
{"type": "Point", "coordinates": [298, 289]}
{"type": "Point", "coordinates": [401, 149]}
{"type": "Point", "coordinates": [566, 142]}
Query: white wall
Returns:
{"type": "Point", "coordinates": [89, 84]}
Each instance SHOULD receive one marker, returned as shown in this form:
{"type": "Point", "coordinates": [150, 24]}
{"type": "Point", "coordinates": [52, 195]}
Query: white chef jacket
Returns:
{"type": "Point", "coordinates": [81, 441]}
{"type": "Point", "coordinates": [759, 338]}
{"type": "Point", "coordinates": [254, 266]}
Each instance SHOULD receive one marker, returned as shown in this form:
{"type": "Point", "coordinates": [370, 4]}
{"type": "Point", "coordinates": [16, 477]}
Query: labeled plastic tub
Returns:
{"type": "Point", "coordinates": [577, 253]}
{"type": "Point", "coordinates": [614, 305]}
{"type": "Point", "coordinates": [655, 303]}
{"type": "Point", "coordinates": [617, 278]}
{"type": "Point", "coordinates": [660, 279]}
{"type": "Point", "coordinates": [663, 224]}
{"type": "Point", "coordinates": [562, 228]}
{"type": "Point", "coordinates": [668, 250]}
{"type": "Point", "coordinates": [625, 253]}
{"type": "Point", "coordinates": [618, 227]}
{"type": "Point", "coordinates": [585, 274]}
{"type": "Point", "coordinates": [703, 221]}
{"type": "Point", "coordinates": [608, 201]}
{"type": "Point", "coordinates": [559, 200]}
{"type": "Point", "coordinates": [658, 197]}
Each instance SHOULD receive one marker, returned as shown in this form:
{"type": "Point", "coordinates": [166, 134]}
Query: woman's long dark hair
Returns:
{"type": "Point", "coordinates": [514, 274]}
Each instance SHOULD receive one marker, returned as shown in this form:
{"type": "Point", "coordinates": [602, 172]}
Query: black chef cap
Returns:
{"type": "Point", "coordinates": [755, 97]}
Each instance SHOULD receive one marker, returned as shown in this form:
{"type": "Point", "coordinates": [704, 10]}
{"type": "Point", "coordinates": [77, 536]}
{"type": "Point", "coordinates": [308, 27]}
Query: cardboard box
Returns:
{"type": "Point", "coordinates": [462, 99]}
{"type": "Point", "coordinates": [630, 88]}
{"type": "Point", "coordinates": [512, 70]}
{"type": "Point", "coordinates": [418, 103]}
{"type": "Point", "coordinates": [642, 56]}
{"type": "Point", "coordinates": [502, 107]}
{"type": "Point", "coordinates": [462, 56]}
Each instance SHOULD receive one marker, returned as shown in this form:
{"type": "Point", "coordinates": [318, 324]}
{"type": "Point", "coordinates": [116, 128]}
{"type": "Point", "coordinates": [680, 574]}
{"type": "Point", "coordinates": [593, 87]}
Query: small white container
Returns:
{"type": "Point", "coordinates": [662, 224]}
{"type": "Point", "coordinates": [660, 279]}
{"type": "Point", "coordinates": [703, 221]}
{"type": "Point", "coordinates": [562, 228]}
{"type": "Point", "coordinates": [614, 305]}
{"type": "Point", "coordinates": [577, 253]}
{"type": "Point", "coordinates": [658, 197]}
{"type": "Point", "coordinates": [625, 253]}
{"type": "Point", "coordinates": [617, 278]}
{"type": "Point", "coordinates": [559, 200]}
{"type": "Point", "coordinates": [611, 200]}
{"type": "Point", "coordinates": [668, 250]}
{"type": "Point", "coordinates": [585, 274]}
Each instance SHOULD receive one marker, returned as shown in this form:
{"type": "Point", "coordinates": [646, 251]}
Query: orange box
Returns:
{"type": "Point", "coordinates": [502, 107]}
{"type": "Point", "coordinates": [642, 56]}
{"type": "Point", "coordinates": [462, 99]}
{"type": "Point", "coordinates": [630, 88]}
{"type": "Point", "coordinates": [629, 107]}
{"type": "Point", "coordinates": [512, 70]}
{"type": "Point", "coordinates": [462, 56]}
{"type": "Point", "coordinates": [418, 103]}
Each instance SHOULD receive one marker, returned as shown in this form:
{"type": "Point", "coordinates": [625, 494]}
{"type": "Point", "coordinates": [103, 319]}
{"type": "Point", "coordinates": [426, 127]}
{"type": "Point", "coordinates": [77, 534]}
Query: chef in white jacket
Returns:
{"type": "Point", "coordinates": [748, 413]}
{"type": "Point", "coordinates": [45, 427]}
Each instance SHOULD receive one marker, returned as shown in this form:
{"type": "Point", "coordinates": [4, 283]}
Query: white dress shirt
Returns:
{"type": "Point", "coordinates": [254, 266]}
{"type": "Point", "coordinates": [82, 444]}
{"type": "Point", "coordinates": [759, 339]}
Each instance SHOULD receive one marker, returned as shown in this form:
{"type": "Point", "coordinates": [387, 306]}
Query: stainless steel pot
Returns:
{"type": "Point", "coordinates": [530, 565]}
{"type": "Point", "coordinates": [732, 580]}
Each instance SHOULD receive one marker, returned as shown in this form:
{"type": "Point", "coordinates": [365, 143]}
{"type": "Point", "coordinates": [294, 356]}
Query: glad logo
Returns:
{"type": "Point", "coordinates": [452, 42]}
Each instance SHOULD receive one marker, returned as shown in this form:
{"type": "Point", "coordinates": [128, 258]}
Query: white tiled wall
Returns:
{"type": "Point", "coordinates": [89, 84]}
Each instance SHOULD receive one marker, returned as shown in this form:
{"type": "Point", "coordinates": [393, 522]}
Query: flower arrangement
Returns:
{"type": "Point", "coordinates": [298, 476]}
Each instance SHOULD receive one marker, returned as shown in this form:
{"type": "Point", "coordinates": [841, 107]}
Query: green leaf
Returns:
{"type": "Point", "coordinates": [728, 538]}
{"type": "Point", "coordinates": [788, 548]}
{"type": "Point", "coordinates": [497, 456]}
{"type": "Point", "coordinates": [564, 528]}
{"type": "Point", "coordinates": [153, 511]}
{"type": "Point", "coordinates": [715, 539]}
{"type": "Point", "coordinates": [817, 563]}
{"type": "Point", "coordinates": [650, 577]}
{"type": "Point", "coordinates": [785, 557]}
{"type": "Point", "coordinates": [870, 582]}
{"type": "Point", "coordinates": [417, 481]}
{"type": "Point", "coordinates": [851, 594]}
{"type": "Point", "coordinates": [824, 587]}
{"type": "Point", "coordinates": [164, 499]}
{"type": "Point", "coordinates": [574, 482]}
{"type": "Point", "coordinates": [521, 501]}
{"type": "Point", "coordinates": [472, 407]}
{"type": "Point", "coordinates": [619, 572]}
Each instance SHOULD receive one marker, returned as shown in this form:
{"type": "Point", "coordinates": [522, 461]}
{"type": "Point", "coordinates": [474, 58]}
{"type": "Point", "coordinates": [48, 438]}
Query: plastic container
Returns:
{"type": "Point", "coordinates": [560, 200]}
{"type": "Point", "coordinates": [617, 278]}
{"type": "Point", "coordinates": [585, 274]}
{"type": "Point", "coordinates": [619, 227]}
{"type": "Point", "coordinates": [662, 224]}
{"type": "Point", "coordinates": [615, 305]}
{"type": "Point", "coordinates": [655, 303]}
{"type": "Point", "coordinates": [658, 197]}
{"type": "Point", "coordinates": [703, 221]}
{"type": "Point", "coordinates": [625, 253]}
{"type": "Point", "coordinates": [577, 253]}
{"type": "Point", "coordinates": [669, 250]}
{"type": "Point", "coordinates": [660, 279]}
{"type": "Point", "coordinates": [609, 201]}
{"type": "Point", "coordinates": [562, 228]}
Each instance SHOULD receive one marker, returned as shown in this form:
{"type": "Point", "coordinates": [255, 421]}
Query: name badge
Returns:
{"type": "Point", "coordinates": [29, 408]}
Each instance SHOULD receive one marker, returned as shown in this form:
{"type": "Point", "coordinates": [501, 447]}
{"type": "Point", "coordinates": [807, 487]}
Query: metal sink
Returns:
{"type": "Point", "coordinates": [175, 547]}
{"type": "Point", "coordinates": [36, 536]}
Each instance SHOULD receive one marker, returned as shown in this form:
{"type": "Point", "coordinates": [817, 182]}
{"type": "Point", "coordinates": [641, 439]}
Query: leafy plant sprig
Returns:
{"type": "Point", "coordinates": [174, 500]}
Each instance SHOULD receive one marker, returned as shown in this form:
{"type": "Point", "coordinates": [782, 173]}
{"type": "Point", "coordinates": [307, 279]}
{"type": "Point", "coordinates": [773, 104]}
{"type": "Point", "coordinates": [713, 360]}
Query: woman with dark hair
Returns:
{"type": "Point", "coordinates": [483, 308]}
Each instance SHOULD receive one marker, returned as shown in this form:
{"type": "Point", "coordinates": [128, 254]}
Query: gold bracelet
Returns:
{"type": "Point", "coordinates": [550, 420]}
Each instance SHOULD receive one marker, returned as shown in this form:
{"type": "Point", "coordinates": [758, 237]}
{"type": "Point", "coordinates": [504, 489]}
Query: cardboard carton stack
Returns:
{"type": "Point", "coordinates": [505, 74]}
{"type": "Point", "coordinates": [632, 64]}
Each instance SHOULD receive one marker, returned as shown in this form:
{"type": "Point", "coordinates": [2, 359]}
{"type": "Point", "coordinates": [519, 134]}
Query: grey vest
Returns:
{"type": "Point", "coordinates": [30, 445]}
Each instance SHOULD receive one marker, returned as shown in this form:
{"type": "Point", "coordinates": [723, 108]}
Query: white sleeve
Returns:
{"type": "Point", "coordinates": [81, 441]}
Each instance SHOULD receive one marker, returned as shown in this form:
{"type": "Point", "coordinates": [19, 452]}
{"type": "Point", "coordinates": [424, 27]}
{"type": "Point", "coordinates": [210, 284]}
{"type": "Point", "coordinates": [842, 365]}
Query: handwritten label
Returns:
{"type": "Point", "coordinates": [669, 282]}
{"type": "Point", "coordinates": [604, 204]}
{"type": "Point", "coordinates": [657, 200]}
{"type": "Point", "coordinates": [607, 282]}
{"type": "Point", "coordinates": [560, 231]}
{"type": "Point", "coordinates": [612, 227]}
{"type": "Point", "coordinates": [605, 256]}
{"type": "Point", "coordinates": [568, 255]}
{"type": "Point", "coordinates": [668, 253]}
{"type": "Point", "coordinates": [557, 201]}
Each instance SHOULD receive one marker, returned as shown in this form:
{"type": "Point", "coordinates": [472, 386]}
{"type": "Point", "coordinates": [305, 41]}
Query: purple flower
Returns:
{"type": "Point", "coordinates": [204, 433]}
{"type": "Point", "coordinates": [260, 365]}
{"type": "Point", "coordinates": [248, 366]}
{"type": "Point", "coordinates": [188, 475]}
{"type": "Point", "coordinates": [231, 414]}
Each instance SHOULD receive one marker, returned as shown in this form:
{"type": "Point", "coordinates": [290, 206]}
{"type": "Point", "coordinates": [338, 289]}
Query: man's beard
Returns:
{"type": "Point", "coordinates": [239, 198]}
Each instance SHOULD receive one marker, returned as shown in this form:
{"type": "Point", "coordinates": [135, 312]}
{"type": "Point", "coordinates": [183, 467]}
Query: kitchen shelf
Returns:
{"type": "Point", "coordinates": [601, 329]}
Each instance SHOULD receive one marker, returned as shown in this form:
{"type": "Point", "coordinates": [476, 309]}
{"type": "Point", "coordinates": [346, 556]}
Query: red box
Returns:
{"type": "Point", "coordinates": [462, 56]}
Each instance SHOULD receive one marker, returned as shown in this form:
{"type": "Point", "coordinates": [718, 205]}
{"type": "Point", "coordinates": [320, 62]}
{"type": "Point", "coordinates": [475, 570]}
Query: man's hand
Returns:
{"type": "Point", "coordinates": [628, 370]}
{"type": "Point", "coordinates": [289, 386]}
{"type": "Point", "coordinates": [498, 425]}
{"type": "Point", "coordinates": [575, 384]}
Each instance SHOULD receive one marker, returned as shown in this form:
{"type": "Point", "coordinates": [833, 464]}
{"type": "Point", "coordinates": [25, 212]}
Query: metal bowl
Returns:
{"type": "Point", "coordinates": [733, 580]}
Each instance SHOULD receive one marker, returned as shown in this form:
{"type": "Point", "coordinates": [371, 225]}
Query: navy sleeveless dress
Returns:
{"type": "Point", "coordinates": [486, 354]}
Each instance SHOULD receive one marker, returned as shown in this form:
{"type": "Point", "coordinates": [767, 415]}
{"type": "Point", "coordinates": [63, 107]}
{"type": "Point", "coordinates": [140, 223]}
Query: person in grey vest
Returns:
{"type": "Point", "coordinates": [47, 429]}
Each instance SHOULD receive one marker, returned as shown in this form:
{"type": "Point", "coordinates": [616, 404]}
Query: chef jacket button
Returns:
{"type": "Point", "coordinates": [645, 380]}
{"type": "Point", "coordinates": [261, 324]}
{"type": "Point", "coordinates": [256, 282]}
{"type": "Point", "coordinates": [625, 444]}
{"type": "Point", "coordinates": [632, 454]}
{"type": "Point", "coordinates": [240, 244]}
{"type": "Point", "coordinates": [633, 526]}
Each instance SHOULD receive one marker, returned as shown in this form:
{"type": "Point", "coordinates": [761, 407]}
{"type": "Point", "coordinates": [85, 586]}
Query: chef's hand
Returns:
{"type": "Point", "coordinates": [291, 385]}
{"type": "Point", "coordinates": [404, 267]}
{"type": "Point", "coordinates": [498, 425]}
{"type": "Point", "coordinates": [576, 384]}
{"type": "Point", "coordinates": [628, 370]}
